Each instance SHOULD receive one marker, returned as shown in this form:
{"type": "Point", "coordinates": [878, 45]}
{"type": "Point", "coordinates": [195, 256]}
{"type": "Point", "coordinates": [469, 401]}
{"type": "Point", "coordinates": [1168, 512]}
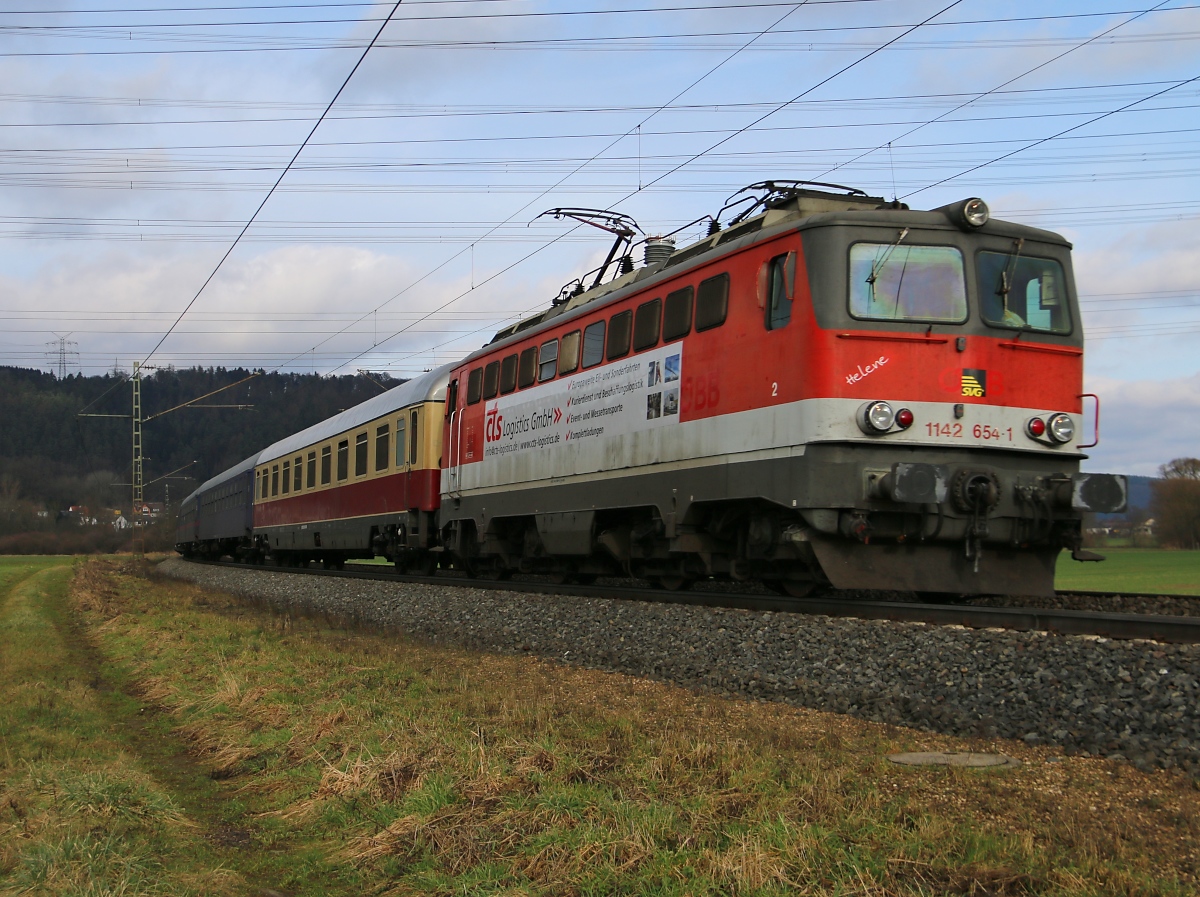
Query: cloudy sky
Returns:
{"type": "Point", "coordinates": [138, 137]}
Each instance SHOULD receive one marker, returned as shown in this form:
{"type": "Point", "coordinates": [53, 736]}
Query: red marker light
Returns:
{"type": "Point", "coordinates": [1036, 428]}
{"type": "Point", "coordinates": [904, 418]}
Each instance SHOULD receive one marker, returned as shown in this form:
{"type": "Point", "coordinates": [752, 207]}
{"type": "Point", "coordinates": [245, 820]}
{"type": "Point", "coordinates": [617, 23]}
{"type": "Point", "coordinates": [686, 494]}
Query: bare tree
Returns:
{"type": "Point", "coordinates": [1175, 503]}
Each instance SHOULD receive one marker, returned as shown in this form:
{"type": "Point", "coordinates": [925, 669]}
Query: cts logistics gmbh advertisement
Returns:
{"type": "Point", "coordinates": [623, 397]}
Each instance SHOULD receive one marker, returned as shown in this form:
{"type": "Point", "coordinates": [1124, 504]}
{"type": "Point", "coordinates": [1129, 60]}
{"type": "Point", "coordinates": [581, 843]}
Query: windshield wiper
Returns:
{"type": "Point", "coordinates": [1006, 276]}
{"type": "Point", "coordinates": [877, 265]}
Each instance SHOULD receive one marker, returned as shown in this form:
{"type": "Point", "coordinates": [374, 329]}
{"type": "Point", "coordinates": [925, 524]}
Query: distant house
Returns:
{"type": "Point", "coordinates": [119, 522]}
{"type": "Point", "coordinates": [1145, 528]}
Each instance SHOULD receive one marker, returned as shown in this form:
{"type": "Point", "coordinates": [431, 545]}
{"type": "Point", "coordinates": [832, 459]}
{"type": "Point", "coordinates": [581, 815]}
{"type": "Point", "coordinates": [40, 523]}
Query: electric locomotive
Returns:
{"type": "Point", "coordinates": [832, 389]}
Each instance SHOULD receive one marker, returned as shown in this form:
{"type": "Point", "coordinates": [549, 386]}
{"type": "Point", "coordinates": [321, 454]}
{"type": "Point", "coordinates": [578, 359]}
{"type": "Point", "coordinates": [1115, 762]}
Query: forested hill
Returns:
{"type": "Point", "coordinates": [42, 440]}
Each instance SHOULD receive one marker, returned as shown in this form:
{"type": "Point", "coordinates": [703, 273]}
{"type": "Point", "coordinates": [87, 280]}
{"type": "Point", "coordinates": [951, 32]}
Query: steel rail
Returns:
{"type": "Point", "coordinates": [1161, 628]}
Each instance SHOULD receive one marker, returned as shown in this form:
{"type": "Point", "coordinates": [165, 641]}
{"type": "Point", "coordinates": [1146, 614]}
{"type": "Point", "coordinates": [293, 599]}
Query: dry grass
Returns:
{"type": "Point", "coordinates": [435, 771]}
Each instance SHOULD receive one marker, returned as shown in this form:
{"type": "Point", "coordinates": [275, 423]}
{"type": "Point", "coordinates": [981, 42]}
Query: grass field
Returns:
{"type": "Point", "coordinates": [160, 739]}
{"type": "Point", "coordinates": [1142, 570]}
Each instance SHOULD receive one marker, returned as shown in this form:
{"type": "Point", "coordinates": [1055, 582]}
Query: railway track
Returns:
{"type": "Point", "coordinates": [1162, 628]}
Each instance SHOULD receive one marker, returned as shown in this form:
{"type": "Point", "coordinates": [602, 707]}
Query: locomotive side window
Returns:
{"type": "Point", "coordinates": [312, 470]}
{"type": "Point", "coordinates": [549, 360]}
{"type": "Point", "coordinates": [646, 323]}
{"type": "Point", "coordinates": [491, 380]}
{"type": "Point", "coordinates": [1021, 292]}
{"type": "Point", "coordinates": [778, 298]}
{"type": "Point", "coordinates": [593, 344]}
{"type": "Point", "coordinates": [326, 465]}
{"type": "Point", "coordinates": [620, 327]}
{"type": "Point", "coordinates": [712, 302]}
{"type": "Point", "coordinates": [568, 358]}
{"type": "Point", "coordinates": [677, 315]}
{"type": "Point", "coordinates": [401, 441]}
{"type": "Point", "coordinates": [343, 461]}
{"type": "Point", "coordinates": [475, 386]}
{"type": "Point", "coordinates": [287, 477]}
{"type": "Point", "coordinates": [508, 374]}
{"type": "Point", "coordinates": [527, 370]}
{"type": "Point", "coordinates": [894, 282]}
{"type": "Point", "coordinates": [382, 448]}
{"type": "Point", "coordinates": [412, 437]}
{"type": "Point", "coordinates": [297, 473]}
{"type": "Point", "coordinates": [360, 455]}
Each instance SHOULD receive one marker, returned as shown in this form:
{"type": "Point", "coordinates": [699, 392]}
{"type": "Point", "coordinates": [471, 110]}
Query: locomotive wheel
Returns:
{"type": "Point", "coordinates": [793, 588]}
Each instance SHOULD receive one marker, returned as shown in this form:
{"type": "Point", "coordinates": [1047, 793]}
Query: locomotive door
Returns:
{"type": "Point", "coordinates": [454, 465]}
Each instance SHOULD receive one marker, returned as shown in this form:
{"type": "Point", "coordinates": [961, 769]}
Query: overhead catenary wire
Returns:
{"type": "Point", "coordinates": [282, 174]}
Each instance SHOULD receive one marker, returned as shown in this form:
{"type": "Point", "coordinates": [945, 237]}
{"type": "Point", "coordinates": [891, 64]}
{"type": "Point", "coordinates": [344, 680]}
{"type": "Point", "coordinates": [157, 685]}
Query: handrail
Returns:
{"type": "Point", "coordinates": [1096, 425]}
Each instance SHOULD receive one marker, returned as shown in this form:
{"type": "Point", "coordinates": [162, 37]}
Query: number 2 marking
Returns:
{"type": "Point", "coordinates": [774, 389]}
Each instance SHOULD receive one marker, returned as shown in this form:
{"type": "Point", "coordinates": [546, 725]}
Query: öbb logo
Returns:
{"type": "Point", "coordinates": [494, 423]}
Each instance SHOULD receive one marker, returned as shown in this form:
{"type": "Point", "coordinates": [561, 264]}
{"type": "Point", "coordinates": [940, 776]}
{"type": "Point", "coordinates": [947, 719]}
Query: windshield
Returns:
{"type": "Point", "coordinates": [894, 282]}
{"type": "Point", "coordinates": [1023, 293]}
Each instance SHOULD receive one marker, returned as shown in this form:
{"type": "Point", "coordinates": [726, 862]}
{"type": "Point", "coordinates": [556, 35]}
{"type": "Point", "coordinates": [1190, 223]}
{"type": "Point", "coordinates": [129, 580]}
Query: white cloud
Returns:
{"type": "Point", "coordinates": [1145, 423]}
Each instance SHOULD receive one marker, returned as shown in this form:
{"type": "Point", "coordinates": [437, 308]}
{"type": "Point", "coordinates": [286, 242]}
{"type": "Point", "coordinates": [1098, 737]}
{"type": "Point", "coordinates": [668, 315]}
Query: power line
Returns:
{"type": "Point", "coordinates": [299, 150]}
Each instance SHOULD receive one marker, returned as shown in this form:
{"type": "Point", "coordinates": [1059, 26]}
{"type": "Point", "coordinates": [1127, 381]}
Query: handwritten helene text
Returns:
{"type": "Point", "coordinates": [866, 371]}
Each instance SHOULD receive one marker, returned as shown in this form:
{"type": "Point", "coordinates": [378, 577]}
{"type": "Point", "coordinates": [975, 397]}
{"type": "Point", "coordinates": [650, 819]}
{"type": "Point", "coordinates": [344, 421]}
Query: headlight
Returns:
{"type": "Point", "coordinates": [975, 212]}
{"type": "Point", "coordinates": [875, 418]}
{"type": "Point", "coordinates": [1061, 428]}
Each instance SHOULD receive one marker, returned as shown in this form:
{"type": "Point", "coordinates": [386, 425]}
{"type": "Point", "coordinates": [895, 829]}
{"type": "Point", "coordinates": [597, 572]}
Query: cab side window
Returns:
{"type": "Point", "coordinates": [779, 297]}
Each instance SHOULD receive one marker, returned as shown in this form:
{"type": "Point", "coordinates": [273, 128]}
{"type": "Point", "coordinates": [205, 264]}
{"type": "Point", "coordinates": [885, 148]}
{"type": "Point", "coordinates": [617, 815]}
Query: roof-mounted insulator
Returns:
{"type": "Point", "coordinates": [659, 249]}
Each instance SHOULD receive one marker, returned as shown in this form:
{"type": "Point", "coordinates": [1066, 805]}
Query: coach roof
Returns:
{"type": "Point", "coordinates": [429, 387]}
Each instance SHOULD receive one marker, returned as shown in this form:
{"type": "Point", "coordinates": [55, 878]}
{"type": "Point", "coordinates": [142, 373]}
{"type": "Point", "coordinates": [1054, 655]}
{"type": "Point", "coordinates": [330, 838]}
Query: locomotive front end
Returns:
{"type": "Point", "coordinates": [947, 370]}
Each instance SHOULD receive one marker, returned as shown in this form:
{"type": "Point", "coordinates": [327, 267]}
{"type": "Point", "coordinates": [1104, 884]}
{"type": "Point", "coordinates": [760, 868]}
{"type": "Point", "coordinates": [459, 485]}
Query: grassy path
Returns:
{"type": "Point", "coordinates": [94, 793]}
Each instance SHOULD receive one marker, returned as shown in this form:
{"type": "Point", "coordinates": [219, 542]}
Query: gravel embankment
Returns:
{"type": "Point", "coordinates": [1132, 700]}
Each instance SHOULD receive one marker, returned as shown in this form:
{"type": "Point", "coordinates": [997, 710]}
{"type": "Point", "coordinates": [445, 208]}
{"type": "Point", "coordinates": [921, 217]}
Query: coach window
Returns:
{"type": "Point", "coordinates": [382, 449]}
{"type": "Point", "coordinates": [287, 477]}
{"type": "Point", "coordinates": [326, 464]}
{"type": "Point", "coordinates": [274, 480]}
{"type": "Point", "coordinates": [297, 472]}
{"type": "Point", "coordinates": [593, 344]}
{"type": "Point", "coordinates": [508, 374]}
{"type": "Point", "coordinates": [360, 455]}
{"type": "Point", "coordinates": [312, 470]}
{"type": "Point", "coordinates": [568, 358]}
{"type": "Point", "coordinates": [401, 443]}
{"type": "Point", "coordinates": [620, 326]}
{"type": "Point", "coordinates": [677, 315]}
{"type": "Point", "coordinates": [778, 290]}
{"type": "Point", "coordinates": [412, 437]}
{"type": "Point", "coordinates": [527, 369]}
{"type": "Point", "coordinates": [549, 360]}
{"type": "Point", "coordinates": [712, 302]}
{"type": "Point", "coordinates": [491, 380]}
{"type": "Point", "coordinates": [475, 386]}
{"type": "Point", "coordinates": [343, 460]}
{"type": "Point", "coordinates": [645, 324]}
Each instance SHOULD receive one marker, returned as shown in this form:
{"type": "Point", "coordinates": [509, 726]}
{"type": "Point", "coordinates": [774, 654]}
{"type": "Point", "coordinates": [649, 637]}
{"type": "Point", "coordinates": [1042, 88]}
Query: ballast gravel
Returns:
{"type": "Point", "coordinates": [1131, 700]}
